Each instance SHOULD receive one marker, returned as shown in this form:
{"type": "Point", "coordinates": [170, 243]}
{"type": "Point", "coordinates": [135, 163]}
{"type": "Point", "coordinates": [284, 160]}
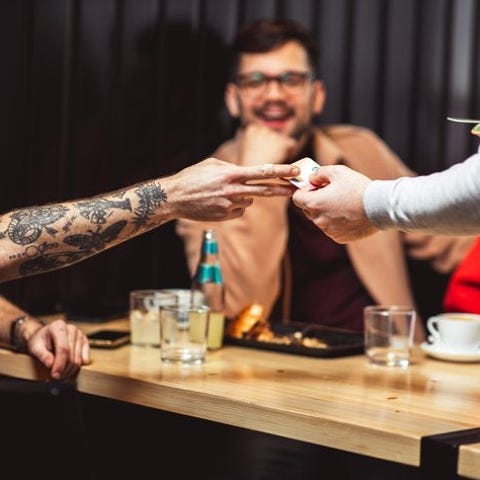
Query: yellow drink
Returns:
{"type": "Point", "coordinates": [216, 325]}
{"type": "Point", "coordinates": [197, 326]}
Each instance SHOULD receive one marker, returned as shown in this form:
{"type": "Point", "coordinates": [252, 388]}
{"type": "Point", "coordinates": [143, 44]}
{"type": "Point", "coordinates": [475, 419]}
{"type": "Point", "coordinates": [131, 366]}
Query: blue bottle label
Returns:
{"type": "Point", "coordinates": [210, 248]}
{"type": "Point", "coordinates": [209, 274]}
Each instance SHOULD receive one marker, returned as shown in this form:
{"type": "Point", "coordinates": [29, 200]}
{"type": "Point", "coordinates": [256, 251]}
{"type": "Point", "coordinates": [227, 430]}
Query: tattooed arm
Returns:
{"type": "Point", "coordinates": [44, 238]}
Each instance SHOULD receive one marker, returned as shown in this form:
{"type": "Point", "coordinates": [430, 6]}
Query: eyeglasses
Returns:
{"type": "Point", "coordinates": [255, 83]}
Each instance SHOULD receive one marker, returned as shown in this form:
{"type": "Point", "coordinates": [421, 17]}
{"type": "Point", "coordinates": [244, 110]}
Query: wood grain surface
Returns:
{"type": "Point", "coordinates": [342, 403]}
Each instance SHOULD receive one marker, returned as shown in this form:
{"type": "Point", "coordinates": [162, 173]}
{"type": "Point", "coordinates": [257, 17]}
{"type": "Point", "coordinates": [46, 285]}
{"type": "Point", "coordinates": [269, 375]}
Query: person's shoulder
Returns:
{"type": "Point", "coordinates": [227, 151]}
{"type": "Point", "coordinates": [344, 132]}
{"type": "Point", "coordinates": [364, 151]}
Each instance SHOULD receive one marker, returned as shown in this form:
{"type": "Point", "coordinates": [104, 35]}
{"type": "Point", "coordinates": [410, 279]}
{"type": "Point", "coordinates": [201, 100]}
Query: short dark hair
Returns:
{"type": "Point", "coordinates": [265, 35]}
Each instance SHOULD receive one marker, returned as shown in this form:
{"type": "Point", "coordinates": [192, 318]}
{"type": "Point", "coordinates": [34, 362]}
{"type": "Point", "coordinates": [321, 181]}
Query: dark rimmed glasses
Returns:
{"type": "Point", "coordinates": [255, 83]}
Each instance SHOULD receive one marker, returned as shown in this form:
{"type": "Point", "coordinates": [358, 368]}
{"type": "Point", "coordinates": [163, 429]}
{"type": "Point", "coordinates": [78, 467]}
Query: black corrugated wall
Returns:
{"type": "Point", "coordinates": [96, 94]}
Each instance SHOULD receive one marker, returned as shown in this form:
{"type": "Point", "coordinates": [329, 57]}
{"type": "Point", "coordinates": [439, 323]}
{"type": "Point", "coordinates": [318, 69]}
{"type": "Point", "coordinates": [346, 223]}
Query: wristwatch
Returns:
{"type": "Point", "coordinates": [15, 340]}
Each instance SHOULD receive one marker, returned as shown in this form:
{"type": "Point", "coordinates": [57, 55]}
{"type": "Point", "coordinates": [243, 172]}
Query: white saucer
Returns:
{"type": "Point", "coordinates": [439, 351]}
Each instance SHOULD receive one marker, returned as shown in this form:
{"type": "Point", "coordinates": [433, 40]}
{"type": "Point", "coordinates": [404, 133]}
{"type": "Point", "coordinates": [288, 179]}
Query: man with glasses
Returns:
{"type": "Point", "coordinates": [256, 83]}
{"type": "Point", "coordinates": [275, 93]}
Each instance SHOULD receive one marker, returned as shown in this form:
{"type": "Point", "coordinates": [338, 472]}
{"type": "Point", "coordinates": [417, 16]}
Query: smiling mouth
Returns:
{"type": "Point", "coordinates": [274, 118]}
{"type": "Point", "coordinates": [274, 113]}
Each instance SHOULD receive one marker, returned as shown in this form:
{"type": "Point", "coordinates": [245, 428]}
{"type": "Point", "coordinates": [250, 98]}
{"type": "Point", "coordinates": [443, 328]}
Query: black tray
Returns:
{"type": "Point", "coordinates": [339, 342]}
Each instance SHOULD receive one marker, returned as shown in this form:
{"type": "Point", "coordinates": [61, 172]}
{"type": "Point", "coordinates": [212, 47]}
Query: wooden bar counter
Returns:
{"type": "Point", "coordinates": [342, 403]}
{"type": "Point", "coordinates": [469, 461]}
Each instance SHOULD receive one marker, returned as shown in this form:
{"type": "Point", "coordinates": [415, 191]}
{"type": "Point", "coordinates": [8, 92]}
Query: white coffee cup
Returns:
{"type": "Point", "coordinates": [455, 331]}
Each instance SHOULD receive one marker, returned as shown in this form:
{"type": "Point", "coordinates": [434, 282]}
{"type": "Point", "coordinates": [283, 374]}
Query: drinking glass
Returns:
{"type": "Point", "coordinates": [183, 333]}
{"type": "Point", "coordinates": [389, 334]}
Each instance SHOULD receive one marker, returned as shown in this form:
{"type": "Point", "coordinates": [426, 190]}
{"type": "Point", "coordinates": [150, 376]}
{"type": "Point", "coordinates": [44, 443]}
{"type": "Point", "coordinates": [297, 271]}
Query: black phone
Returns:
{"type": "Point", "coordinates": [108, 338]}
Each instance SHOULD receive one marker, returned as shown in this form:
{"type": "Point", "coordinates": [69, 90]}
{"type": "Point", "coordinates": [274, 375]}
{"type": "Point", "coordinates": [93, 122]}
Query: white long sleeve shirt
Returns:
{"type": "Point", "coordinates": [446, 202]}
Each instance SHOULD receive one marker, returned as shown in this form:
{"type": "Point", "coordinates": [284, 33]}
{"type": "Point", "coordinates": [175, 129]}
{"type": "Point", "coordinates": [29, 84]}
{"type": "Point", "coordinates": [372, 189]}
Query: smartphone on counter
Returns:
{"type": "Point", "coordinates": [108, 338]}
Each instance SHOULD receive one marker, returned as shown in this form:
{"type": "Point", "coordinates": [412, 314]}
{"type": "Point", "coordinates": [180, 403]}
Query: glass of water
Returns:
{"type": "Point", "coordinates": [389, 332]}
{"type": "Point", "coordinates": [145, 315]}
{"type": "Point", "coordinates": [183, 333]}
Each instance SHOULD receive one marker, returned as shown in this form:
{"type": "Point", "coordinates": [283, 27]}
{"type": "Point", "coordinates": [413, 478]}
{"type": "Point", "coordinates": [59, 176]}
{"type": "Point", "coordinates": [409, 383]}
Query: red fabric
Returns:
{"type": "Point", "coordinates": [463, 290]}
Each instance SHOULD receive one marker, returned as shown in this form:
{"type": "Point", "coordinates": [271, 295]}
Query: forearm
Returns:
{"type": "Point", "coordinates": [40, 239]}
{"type": "Point", "coordinates": [446, 202]}
{"type": "Point", "coordinates": [374, 259]}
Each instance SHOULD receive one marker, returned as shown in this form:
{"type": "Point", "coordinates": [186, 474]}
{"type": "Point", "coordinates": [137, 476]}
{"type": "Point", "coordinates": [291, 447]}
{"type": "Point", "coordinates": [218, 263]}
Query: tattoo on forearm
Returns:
{"type": "Point", "coordinates": [95, 210]}
{"type": "Point", "coordinates": [46, 263]}
{"type": "Point", "coordinates": [96, 240]}
{"type": "Point", "coordinates": [87, 244]}
{"type": "Point", "coordinates": [67, 227]}
{"type": "Point", "coordinates": [27, 225]}
{"type": "Point", "coordinates": [151, 196]}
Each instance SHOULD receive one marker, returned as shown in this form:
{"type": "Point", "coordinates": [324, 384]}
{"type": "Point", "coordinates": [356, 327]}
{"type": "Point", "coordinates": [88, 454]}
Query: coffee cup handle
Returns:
{"type": "Point", "coordinates": [433, 330]}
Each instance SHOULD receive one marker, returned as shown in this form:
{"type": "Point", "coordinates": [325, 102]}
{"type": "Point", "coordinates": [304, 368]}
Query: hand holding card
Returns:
{"type": "Point", "coordinates": [307, 167]}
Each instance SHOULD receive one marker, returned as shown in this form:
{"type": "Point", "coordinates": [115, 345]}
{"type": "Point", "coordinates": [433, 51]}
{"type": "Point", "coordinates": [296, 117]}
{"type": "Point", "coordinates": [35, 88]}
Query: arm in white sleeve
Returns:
{"type": "Point", "coordinates": [446, 202]}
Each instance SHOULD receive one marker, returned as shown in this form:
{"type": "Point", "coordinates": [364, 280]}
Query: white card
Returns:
{"type": "Point", "coordinates": [307, 167]}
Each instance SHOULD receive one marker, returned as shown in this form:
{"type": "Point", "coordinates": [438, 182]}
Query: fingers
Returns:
{"type": "Point", "coordinates": [268, 170]}
{"type": "Point", "coordinates": [321, 177]}
{"type": "Point", "coordinates": [61, 347]}
{"type": "Point", "coordinates": [236, 213]}
{"type": "Point", "coordinates": [239, 206]}
{"type": "Point", "coordinates": [300, 199]}
{"type": "Point", "coordinates": [74, 361]}
{"type": "Point", "coordinates": [414, 238]}
{"type": "Point", "coordinates": [78, 349]}
{"type": "Point", "coordinates": [85, 350]}
{"type": "Point", "coordinates": [242, 202]}
{"type": "Point", "coordinates": [444, 264]}
{"type": "Point", "coordinates": [268, 190]}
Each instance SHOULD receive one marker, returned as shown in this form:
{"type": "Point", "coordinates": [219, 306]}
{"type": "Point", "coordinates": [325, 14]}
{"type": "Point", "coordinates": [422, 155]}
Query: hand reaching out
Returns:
{"type": "Point", "coordinates": [335, 203]}
{"type": "Point", "coordinates": [214, 190]}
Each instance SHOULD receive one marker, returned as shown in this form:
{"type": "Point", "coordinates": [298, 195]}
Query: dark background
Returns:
{"type": "Point", "coordinates": [98, 94]}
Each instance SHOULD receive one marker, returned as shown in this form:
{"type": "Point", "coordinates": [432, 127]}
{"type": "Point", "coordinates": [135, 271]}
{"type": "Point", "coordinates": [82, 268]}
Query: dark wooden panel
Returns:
{"type": "Point", "coordinates": [334, 34]}
{"type": "Point", "coordinates": [429, 120]}
{"type": "Point", "coordinates": [367, 73]}
{"type": "Point", "coordinates": [253, 9]}
{"type": "Point", "coordinates": [96, 95]}
{"type": "Point", "coordinates": [398, 92]}
{"type": "Point", "coordinates": [464, 43]}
